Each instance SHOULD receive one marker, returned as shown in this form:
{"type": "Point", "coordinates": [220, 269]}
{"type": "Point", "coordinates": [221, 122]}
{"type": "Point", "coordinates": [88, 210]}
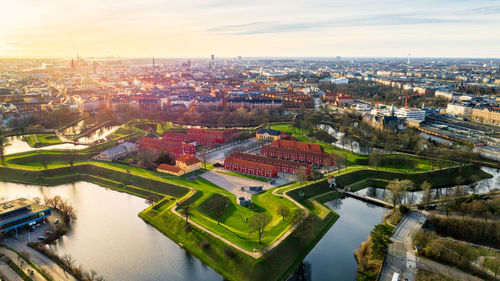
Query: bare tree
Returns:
{"type": "Point", "coordinates": [301, 174]}
{"type": "Point", "coordinates": [3, 144]}
{"type": "Point", "coordinates": [426, 188]}
{"type": "Point", "coordinates": [37, 199]}
{"type": "Point", "coordinates": [340, 161]}
{"type": "Point", "coordinates": [315, 175]}
{"type": "Point", "coordinates": [375, 158]}
{"type": "Point", "coordinates": [283, 211]}
{"type": "Point", "coordinates": [220, 206]}
{"type": "Point", "coordinates": [302, 224]}
{"type": "Point", "coordinates": [258, 223]}
{"type": "Point", "coordinates": [186, 212]}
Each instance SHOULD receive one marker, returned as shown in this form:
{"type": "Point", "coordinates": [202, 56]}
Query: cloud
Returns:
{"type": "Point", "coordinates": [268, 27]}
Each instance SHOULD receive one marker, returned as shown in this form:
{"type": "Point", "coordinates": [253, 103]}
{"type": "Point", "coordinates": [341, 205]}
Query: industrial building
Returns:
{"type": "Point", "coordinates": [21, 212]}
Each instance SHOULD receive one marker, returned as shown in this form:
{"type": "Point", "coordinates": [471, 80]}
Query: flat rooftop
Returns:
{"type": "Point", "coordinates": [9, 206]}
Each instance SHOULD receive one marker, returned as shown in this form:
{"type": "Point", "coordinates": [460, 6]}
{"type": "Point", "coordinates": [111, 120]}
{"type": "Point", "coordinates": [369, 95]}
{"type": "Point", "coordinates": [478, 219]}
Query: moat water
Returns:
{"type": "Point", "coordinates": [110, 238]}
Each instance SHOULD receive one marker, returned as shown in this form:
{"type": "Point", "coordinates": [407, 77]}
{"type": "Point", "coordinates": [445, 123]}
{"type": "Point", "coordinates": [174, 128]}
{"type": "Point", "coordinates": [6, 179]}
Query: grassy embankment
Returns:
{"type": "Point", "coordinates": [144, 183]}
{"type": "Point", "coordinates": [233, 227]}
{"type": "Point", "coordinates": [41, 140]}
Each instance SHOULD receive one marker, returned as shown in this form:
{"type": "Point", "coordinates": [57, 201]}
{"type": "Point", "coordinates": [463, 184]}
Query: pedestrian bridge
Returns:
{"type": "Point", "coordinates": [368, 199]}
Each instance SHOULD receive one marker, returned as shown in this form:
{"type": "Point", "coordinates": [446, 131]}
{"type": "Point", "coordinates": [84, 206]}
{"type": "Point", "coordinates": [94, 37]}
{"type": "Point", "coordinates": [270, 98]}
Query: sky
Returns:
{"type": "Point", "coordinates": [230, 28]}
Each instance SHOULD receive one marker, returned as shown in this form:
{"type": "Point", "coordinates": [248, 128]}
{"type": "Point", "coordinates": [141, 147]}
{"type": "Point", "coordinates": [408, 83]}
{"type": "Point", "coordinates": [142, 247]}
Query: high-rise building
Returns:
{"type": "Point", "coordinates": [212, 61]}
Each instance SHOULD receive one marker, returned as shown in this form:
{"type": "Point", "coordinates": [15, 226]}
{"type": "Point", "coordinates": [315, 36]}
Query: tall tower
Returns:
{"type": "Point", "coordinates": [408, 57]}
{"type": "Point", "coordinates": [212, 61]}
{"type": "Point", "coordinates": [153, 63]}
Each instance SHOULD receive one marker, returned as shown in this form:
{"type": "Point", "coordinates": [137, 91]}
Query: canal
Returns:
{"type": "Point", "coordinates": [109, 237]}
{"type": "Point", "coordinates": [483, 186]}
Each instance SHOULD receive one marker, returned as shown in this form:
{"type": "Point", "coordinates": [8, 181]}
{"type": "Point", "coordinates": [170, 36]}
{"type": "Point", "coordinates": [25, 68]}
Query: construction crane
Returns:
{"type": "Point", "coordinates": [408, 96]}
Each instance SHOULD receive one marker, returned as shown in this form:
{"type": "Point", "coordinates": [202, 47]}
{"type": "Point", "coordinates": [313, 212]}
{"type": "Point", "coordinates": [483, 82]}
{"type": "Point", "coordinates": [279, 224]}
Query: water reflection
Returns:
{"type": "Point", "coordinates": [98, 134]}
{"type": "Point", "coordinates": [109, 237]}
{"type": "Point", "coordinates": [18, 145]}
{"type": "Point", "coordinates": [353, 146]}
{"type": "Point", "coordinates": [483, 186]}
{"type": "Point", "coordinates": [333, 257]}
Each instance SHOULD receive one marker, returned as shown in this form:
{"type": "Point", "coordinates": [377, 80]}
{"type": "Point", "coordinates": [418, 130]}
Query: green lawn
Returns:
{"type": "Point", "coordinates": [40, 140]}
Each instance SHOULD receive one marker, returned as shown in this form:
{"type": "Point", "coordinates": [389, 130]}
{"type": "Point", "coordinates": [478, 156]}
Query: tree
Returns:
{"type": "Point", "coordinates": [381, 237]}
{"type": "Point", "coordinates": [220, 205]}
{"type": "Point", "coordinates": [340, 161]}
{"type": "Point", "coordinates": [406, 186]}
{"type": "Point", "coordinates": [258, 224]}
{"type": "Point", "coordinates": [315, 175]}
{"type": "Point", "coordinates": [71, 158]}
{"type": "Point", "coordinates": [396, 193]}
{"type": "Point", "coordinates": [283, 211]}
{"type": "Point", "coordinates": [301, 174]}
{"type": "Point", "coordinates": [426, 188]}
{"type": "Point", "coordinates": [44, 160]}
{"type": "Point", "coordinates": [186, 212]}
{"type": "Point", "coordinates": [203, 155]}
{"type": "Point", "coordinates": [375, 158]}
{"type": "Point", "coordinates": [302, 224]}
{"type": "Point", "coordinates": [3, 144]}
{"type": "Point", "coordinates": [67, 210]}
{"type": "Point", "coordinates": [37, 199]}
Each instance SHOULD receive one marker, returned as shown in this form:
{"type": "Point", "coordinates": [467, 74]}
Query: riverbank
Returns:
{"type": "Point", "coordinates": [208, 248]}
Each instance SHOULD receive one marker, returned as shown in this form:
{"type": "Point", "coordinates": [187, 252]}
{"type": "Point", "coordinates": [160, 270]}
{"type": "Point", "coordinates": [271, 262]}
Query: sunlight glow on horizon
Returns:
{"type": "Point", "coordinates": [317, 28]}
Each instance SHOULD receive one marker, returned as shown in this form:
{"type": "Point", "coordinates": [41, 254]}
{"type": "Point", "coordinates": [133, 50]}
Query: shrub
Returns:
{"type": "Point", "coordinates": [204, 245]}
{"type": "Point", "coordinates": [229, 252]}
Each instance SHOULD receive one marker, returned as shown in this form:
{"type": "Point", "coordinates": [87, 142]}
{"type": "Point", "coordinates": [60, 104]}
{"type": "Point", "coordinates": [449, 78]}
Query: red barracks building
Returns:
{"type": "Point", "coordinates": [162, 145]}
{"type": "Point", "coordinates": [282, 165]}
{"type": "Point", "coordinates": [297, 151]}
{"type": "Point", "coordinates": [250, 167]}
{"type": "Point", "coordinates": [201, 136]}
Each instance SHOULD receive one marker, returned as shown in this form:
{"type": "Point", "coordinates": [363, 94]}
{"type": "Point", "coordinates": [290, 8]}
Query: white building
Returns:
{"type": "Point", "coordinates": [415, 114]}
{"type": "Point", "coordinates": [459, 109]}
{"type": "Point", "coordinates": [117, 152]}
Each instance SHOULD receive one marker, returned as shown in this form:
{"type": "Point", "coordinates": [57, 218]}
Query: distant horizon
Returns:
{"type": "Point", "coordinates": [284, 28]}
{"type": "Point", "coordinates": [342, 58]}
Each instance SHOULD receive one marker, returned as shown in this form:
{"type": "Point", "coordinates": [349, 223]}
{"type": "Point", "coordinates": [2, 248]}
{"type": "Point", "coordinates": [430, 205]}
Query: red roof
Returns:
{"type": "Point", "coordinates": [170, 168]}
{"type": "Point", "coordinates": [249, 163]}
{"type": "Point", "coordinates": [188, 159]}
{"type": "Point", "coordinates": [304, 146]}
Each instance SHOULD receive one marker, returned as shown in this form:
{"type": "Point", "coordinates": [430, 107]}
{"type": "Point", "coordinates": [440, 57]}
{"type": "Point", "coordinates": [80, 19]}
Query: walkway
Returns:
{"type": "Point", "coordinates": [401, 257]}
{"type": "Point", "coordinates": [255, 255]}
{"type": "Point", "coordinates": [21, 263]}
{"type": "Point", "coordinates": [369, 199]}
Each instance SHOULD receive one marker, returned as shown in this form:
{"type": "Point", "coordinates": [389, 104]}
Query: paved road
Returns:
{"type": "Point", "coordinates": [401, 257]}
{"type": "Point", "coordinates": [40, 260]}
{"type": "Point", "coordinates": [233, 184]}
{"type": "Point", "coordinates": [219, 155]}
{"type": "Point", "coordinates": [8, 273]}
{"type": "Point", "coordinates": [22, 264]}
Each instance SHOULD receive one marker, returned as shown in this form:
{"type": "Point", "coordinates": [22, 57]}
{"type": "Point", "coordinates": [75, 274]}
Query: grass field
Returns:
{"type": "Point", "coordinates": [40, 140]}
{"type": "Point", "coordinates": [28, 168]}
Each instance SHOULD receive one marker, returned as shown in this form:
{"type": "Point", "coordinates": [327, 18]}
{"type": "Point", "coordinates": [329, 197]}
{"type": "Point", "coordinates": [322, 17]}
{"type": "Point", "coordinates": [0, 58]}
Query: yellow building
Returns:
{"type": "Point", "coordinates": [184, 164]}
{"type": "Point", "coordinates": [169, 169]}
{"type": "Point", "coordinates": [188, 163]}
{"type": "Point", "coordinates": [268, 134]}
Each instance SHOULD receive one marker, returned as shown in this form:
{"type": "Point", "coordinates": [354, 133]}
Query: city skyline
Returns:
{"type": "Point", "coordinates": [258, 29]}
